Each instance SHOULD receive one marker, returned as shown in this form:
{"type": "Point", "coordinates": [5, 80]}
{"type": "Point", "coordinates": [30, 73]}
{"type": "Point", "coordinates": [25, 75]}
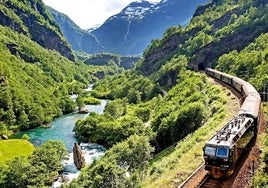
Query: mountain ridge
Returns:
{"type": "Point", "coordinates": [131, 34]}
{"type": "Point", "coordinates": [130, 31]}
{"type": "Point", "coordinates": [79, 39]}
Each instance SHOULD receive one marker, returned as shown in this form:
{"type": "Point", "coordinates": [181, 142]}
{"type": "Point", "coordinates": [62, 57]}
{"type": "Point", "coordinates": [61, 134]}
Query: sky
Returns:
{"type": "Point", "coordinates": [88, 13]}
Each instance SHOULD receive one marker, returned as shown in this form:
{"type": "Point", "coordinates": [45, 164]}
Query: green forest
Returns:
{"type": "Point", "coordinates": [160, 113]}
{"type": "Point", "coordinates": [34, 93]}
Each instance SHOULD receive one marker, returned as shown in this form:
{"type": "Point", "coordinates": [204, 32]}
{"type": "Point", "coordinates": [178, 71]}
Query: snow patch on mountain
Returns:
{"type": "Point", "coordinates": [137, 12]}
{"type": "Point", "coordinates": [138, 9]}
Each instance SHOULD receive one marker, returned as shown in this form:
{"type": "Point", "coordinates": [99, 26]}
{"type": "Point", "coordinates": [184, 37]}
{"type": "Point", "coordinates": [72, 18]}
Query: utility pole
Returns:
{"type": "Point", "coordinates": [264, 93]}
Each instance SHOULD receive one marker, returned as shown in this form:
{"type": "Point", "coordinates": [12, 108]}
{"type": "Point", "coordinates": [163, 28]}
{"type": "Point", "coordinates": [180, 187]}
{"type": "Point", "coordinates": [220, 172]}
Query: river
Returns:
{"type": "Point", "coordinates": [62, 129]}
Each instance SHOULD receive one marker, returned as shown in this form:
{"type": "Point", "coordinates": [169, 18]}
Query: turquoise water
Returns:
{"type": "Point", "coordinates": [61, 128]}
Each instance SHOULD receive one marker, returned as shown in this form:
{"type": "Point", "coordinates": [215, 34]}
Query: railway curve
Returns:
{"type": "Point", "coordinates": [244, 172]}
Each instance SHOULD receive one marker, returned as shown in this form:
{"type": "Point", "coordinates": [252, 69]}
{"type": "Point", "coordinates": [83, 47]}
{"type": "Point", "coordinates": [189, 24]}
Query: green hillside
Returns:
{"type": "Point", "coordinates": [35, 82]}
{"type": "Point", "coordinates": [31, 18]}
{"type": "Point", "coordinates": [176, 109]}
{"type": "Point", "coordinates": [216, 29]}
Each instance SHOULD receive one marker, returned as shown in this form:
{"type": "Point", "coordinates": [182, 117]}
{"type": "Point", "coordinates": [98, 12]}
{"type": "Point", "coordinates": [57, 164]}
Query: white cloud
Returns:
{"type": "Point", "coordinates": [87, 13]}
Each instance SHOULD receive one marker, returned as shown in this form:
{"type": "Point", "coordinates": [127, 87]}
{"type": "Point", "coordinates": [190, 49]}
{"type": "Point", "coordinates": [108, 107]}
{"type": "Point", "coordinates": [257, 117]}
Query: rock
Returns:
{"type": "Point", "coordinates": [78, 157]}
{"type": "Point", "coordinates": [5, 137]}
{"type": "Point", "coordinates": [83, 111]}
{"type": "Point", "coordinates": [65, 178]}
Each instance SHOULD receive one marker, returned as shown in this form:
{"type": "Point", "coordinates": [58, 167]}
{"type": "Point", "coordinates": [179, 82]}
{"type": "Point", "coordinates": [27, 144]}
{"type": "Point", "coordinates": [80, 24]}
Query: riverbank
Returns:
{"type": "Point", "coordinates": [60, 128]}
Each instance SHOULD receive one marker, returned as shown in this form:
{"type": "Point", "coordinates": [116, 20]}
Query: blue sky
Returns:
{"type": "Point", "coordinates": [88, 13]}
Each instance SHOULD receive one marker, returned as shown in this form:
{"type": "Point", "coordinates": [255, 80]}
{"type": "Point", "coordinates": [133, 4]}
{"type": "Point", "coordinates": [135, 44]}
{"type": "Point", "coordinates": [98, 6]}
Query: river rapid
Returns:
{"type": "Point", "coordinates": [62, 129]}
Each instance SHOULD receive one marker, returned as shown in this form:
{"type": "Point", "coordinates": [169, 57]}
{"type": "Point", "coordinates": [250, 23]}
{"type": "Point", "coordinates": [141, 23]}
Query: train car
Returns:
{"type": "Point", "coordinates": [226, 78]}
{"type": "Point", "coordinates": [251, 104]}
{"type": "Point", "coordinates": [249, 89]}
{"type": "Point", "coordinates": [210, 72]}
{"type": "Point", "coordinates": [213, 73]}
{"type": "Point", "coordinates": [251, 108]}
{"type": "Point", "coordinates": [223, 150]}
{"type": "Point", "coordinates": [238, 85]}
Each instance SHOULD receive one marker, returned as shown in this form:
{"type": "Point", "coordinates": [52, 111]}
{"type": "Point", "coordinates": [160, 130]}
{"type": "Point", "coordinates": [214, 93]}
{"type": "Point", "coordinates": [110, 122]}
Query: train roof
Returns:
{"type": "Point", "coordinates": [231, 132]}
{"type": "Point", "coordinates": [239, 81]}
{"type": "Point", "coordinates": [220, 73]}
{"type": "Point", "coordinates": [251, 105]}
{"type": "Point", "coordinates": [249, 89]}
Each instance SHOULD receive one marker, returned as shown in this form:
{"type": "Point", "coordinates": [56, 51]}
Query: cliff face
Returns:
{"type": "Point", "coordinates": [152, 60]}
{"type": "Point", "coordinates": [32, 19]}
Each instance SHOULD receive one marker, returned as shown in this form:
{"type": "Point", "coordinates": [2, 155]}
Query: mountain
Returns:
{"type": "Point", "coordinates": [37, 67]}
{"type": "Point", "coordinates": [216, 29]}
{"type": "Point", "coordinates": [130, 31]}
{"type": "Point", "coordinates": [31, 18]}
{"type": "Point", "coordinates": [79, 39]}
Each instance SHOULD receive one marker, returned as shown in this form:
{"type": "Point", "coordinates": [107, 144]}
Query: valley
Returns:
{"type": "Point", "coordinates": [161, 110]}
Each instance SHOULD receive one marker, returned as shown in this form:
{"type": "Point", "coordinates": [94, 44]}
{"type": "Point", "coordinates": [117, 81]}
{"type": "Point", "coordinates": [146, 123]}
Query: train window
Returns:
{"type": "Point", "coordinates": [210, 151]}
{"type": "Point", "coordinates": [222, 152]}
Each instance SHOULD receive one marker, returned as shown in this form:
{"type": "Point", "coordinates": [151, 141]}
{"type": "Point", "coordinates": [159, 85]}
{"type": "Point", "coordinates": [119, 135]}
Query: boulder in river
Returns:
{"type": "Point", "coordinates": [79, 159]}
{"type": "Point", "coordinates": [83, 111]}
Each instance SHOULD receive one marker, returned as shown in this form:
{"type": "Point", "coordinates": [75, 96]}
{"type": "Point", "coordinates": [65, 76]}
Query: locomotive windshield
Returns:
{"type": "Point", "coordinates": [210, 151]}
{"type": "Point", "coordinates": [218, 151]}
{"type": "Point", "coordinates": [222, 152]}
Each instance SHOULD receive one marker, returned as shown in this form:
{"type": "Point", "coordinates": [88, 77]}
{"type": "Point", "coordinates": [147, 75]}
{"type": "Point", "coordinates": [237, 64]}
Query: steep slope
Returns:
{"type": "Point", "coordinates": [32, 19]}
{"type": "Point", "coordinates": [130, 31]}
{"type": "Point", "coordinates": [35, 77]}
{"type": "Point", "coordinates": [216, 29]}
{"type": "Point", "coordinates": [79, 39]}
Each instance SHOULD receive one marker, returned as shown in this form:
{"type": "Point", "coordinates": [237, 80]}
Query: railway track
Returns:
{"type": "Point", "coordinates": [209, 182]}
{"type": "Point", "coordinates": [197, 176]}
{"type": "Point", "coordinates": [242, 178]}
{"type": "Point", "coordinates": [200, 179]}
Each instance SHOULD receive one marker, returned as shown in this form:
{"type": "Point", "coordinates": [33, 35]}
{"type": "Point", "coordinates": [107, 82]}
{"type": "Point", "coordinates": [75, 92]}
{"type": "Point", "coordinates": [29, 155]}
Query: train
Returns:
{"type": "Point", "coordinates": [224, 149]}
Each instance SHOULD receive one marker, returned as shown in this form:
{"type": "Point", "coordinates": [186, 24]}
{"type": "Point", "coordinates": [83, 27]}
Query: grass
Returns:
{"type": "Point", "coordinates": [9, 149]}
{"type": "Point", "coordinates": [91, 100]}
{"type": "Point", "coordinates": [172, 166]}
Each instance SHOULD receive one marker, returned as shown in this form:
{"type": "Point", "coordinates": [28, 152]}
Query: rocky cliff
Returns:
{"type": "Point", "coordinates": [31, 18]}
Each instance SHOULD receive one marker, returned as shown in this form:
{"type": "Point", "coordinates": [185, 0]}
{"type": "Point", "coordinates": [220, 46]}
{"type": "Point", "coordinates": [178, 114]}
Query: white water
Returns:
{"type": "Point", "coordinates": [91, 151]}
